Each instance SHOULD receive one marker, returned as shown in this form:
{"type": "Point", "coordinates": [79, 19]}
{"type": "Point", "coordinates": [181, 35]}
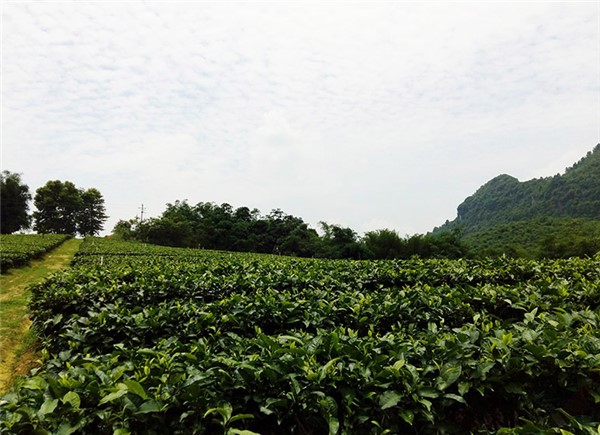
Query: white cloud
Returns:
{"type": "Point", "coordinates": [360, 113]}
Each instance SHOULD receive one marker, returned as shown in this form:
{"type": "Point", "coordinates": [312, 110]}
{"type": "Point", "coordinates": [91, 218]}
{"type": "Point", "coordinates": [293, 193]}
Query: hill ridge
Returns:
{"type": "Point", "coordinates": [505, 199]}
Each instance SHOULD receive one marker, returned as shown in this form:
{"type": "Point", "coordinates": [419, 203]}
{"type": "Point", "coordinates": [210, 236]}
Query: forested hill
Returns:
{"type": "Point", "coordinates": [504, 199]}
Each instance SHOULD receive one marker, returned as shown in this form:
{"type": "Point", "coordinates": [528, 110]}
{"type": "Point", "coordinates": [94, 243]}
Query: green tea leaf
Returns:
{"type": "Point", "coordinates": [35, 383]}
{"type": "Point", "coordinates": [72, 398]}
{"type": "Point", "coordinates": [455, 397]}
{"type": "Point", "coordinates": [241, 417]}
{"type": "Point", "coordinates": [429, 393]}
{"type": "Point", "coordinates": [448, 375]}
{"type": "Point", "coordinates": [389, 399]}
{"type": "Point", "coordinates": [484, 367]}
{"type": "Point", "coordinates": [136, 388]}
{"type": "Point", "coordinates": [407, 415]}
{"type": "Point", "coordinates": [48, 406]}
{"type": "Point", "coordinates": [334, 425]}
{"type": "Point", "coordinates": [426, 403]}
{"type": "Point", "coordinates": [66, 429]}
{"type": "Point", "coordinates": [149, 406]}
{"type": "Point", "coordinates": [112, 396]}
{"type": "Point", "coordinates": [241, 432]}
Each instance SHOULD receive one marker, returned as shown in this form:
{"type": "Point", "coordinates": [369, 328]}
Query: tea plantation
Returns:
{"type": "Point", "coordinates": [152, 340]}
{"type": "Point", "coordinates": [18, 249]}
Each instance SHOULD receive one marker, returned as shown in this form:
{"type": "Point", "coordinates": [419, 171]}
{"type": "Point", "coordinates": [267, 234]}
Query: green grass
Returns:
{"type": "Point", "coordinates": [17, 342]}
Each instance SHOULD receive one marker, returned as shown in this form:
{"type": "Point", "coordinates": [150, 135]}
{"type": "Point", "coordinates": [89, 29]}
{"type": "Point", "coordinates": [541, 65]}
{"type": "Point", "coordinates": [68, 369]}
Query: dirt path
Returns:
{"type": "Point", "coordinates": [15, 342]}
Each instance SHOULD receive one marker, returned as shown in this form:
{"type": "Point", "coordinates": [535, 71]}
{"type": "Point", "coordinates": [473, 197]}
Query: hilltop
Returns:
{"type": "Point", "coordinates": [534, 217]}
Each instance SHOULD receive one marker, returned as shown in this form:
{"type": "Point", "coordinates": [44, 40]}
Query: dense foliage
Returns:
{"type": "Point", "coordinates": [146, 339]}
{"type": "Point", "coordinates": [18, 249]}
{"type": "Point", "coordinates": [387, 244]}
{"type": "Point", "coordinates": [62, 208]}
{"type": "Point", "coordinates": [14, 203]}
{"type": "Point", "coordinates": [211, 226]}
{"type": "Point", "coordinates": [537, 238]}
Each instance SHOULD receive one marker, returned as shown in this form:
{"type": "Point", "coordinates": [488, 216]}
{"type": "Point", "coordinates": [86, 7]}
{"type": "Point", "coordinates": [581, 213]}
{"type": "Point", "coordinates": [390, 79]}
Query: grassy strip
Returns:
{"type": "Point", "coordinates": [17, 342]}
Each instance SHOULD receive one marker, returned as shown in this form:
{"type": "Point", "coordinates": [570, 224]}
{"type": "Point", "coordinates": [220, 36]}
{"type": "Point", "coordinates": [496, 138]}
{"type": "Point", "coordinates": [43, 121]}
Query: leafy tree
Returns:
{"type": "Point", "coordinates": [445, 245]}
{"type": "Point", "coordinates": [92, 214]}
{"type": "Point", "coordinates": [14, 203]}
{"type": "Point", "coordinates": [181, 211]}
{"type": "Point", "coordinates": [384, 244]}
{"type": "Point", "coordinates": [166, 232]}
{"type": "Point", "coordinates": [340, 242]}
{"type": "Point", "coordinates": [125, 230]}
{"type": "Point", "coordinates": [62, 208]}
{"type": "Point", "coordinates": [57, 205]}
{"type": "Point", "coordinates": [294, 237]}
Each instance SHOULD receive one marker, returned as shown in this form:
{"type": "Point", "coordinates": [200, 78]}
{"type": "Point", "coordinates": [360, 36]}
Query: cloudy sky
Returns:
{"type": "Point", "coordinates": [368, 115]}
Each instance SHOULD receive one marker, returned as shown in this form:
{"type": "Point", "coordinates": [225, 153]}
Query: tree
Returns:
{"type": "Point", "coordinates": [14, 203]}
{"type": "Point", "coordinates": [301, 241]}
{"type": "Point", "coordinates": [384, 244]}
{"type": "Point", "coordinates": [57, 206]}
{"type": "Point", "coordinates": [62, 208]}
{"type": "Point", "coordinates": [125, 230]}
{"type": "Point", "coordinates": [340, 242]}
{"type": "Point", "coordinates": [166, 232]}
{"type": "Point", "coordinates": [92, 214]}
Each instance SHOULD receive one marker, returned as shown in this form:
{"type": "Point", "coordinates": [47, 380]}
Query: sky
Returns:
{"type": "Point", "coordinates": [366, 115]}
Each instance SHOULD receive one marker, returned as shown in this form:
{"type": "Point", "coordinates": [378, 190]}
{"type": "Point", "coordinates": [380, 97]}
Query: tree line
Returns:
{"type": "Point", "coordinates": [543, 237]}
{"type": "Point", "coordinates": [221, 227]}
{"type": "Point", "coordinates": [61, 207]}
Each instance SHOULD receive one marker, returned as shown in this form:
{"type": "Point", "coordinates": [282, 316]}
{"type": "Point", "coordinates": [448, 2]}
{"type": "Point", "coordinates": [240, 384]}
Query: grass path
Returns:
{"type": "Point", "coordinates": [16, 343]}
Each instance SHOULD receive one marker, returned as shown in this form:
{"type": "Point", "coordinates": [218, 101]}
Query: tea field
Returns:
{"type": "Point", "coordinates": [151, 340]}
{"type": "Point", "coordinates": [18, 249]}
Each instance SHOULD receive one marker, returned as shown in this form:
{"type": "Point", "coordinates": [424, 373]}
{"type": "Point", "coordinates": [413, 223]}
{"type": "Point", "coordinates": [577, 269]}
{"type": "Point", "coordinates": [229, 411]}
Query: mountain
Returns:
{"type": "Point", "coordinates": [539, 217]}
{"type": "Point", "coordinates": [504, 199]}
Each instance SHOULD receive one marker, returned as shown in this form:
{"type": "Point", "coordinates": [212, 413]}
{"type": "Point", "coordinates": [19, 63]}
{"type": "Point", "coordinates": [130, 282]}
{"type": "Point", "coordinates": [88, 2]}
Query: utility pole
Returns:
{"type": "Point", "coordinates": [142, 213]}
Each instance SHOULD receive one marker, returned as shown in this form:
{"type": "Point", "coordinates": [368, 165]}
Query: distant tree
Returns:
{"type": "Point", "coordinates": [166, 232]}
{"type": "Point", "coordinates": [302, 241]}
{"type": "Point", "coordinates": [125, 230]}
{"type": "Point", "coordinates": [447, 245]}
{"type": "Point", "coordinates": [92, 214]}
{"type": "Point", "coordinates": [384, 244]}
{"type": "Point", "coordinates": [14, 203]}
{"type": "Point", "coordinates": [340, 242]}
{"type": "Point", "coordinates": [244, 214]}
{"type": "Point", "coordinates": [58, 204]}
{"type": "Point", "coordinates": [62, 208]}
{"type": "Point", "coordinates": [182, 211]}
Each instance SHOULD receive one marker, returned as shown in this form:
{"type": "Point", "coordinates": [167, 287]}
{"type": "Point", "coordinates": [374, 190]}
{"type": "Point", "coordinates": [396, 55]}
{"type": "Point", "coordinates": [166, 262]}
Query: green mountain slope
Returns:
{"type": "Point", "coordinates": [505, 199]}
{"type": "Point", "coordinates": [553, 216]}
{"type": "Point", "coordinates": [545, 237]}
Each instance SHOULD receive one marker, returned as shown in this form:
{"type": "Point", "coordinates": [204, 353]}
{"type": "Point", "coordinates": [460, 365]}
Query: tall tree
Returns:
{"type": "Point", "coordinates": [92, 214]}
{"type": "Point", "coordinates": [126, 230]}
{"type": "Point", "coordinates": [14, 203]}
{"type": "Point", "coordinates": [340, 242]}
{"type": "Point", "coordinates": [62, 208]}
{"type": "Point", "coordinates": [58, 205]}
{"type": "Point", "coordinates": [384, 244]}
